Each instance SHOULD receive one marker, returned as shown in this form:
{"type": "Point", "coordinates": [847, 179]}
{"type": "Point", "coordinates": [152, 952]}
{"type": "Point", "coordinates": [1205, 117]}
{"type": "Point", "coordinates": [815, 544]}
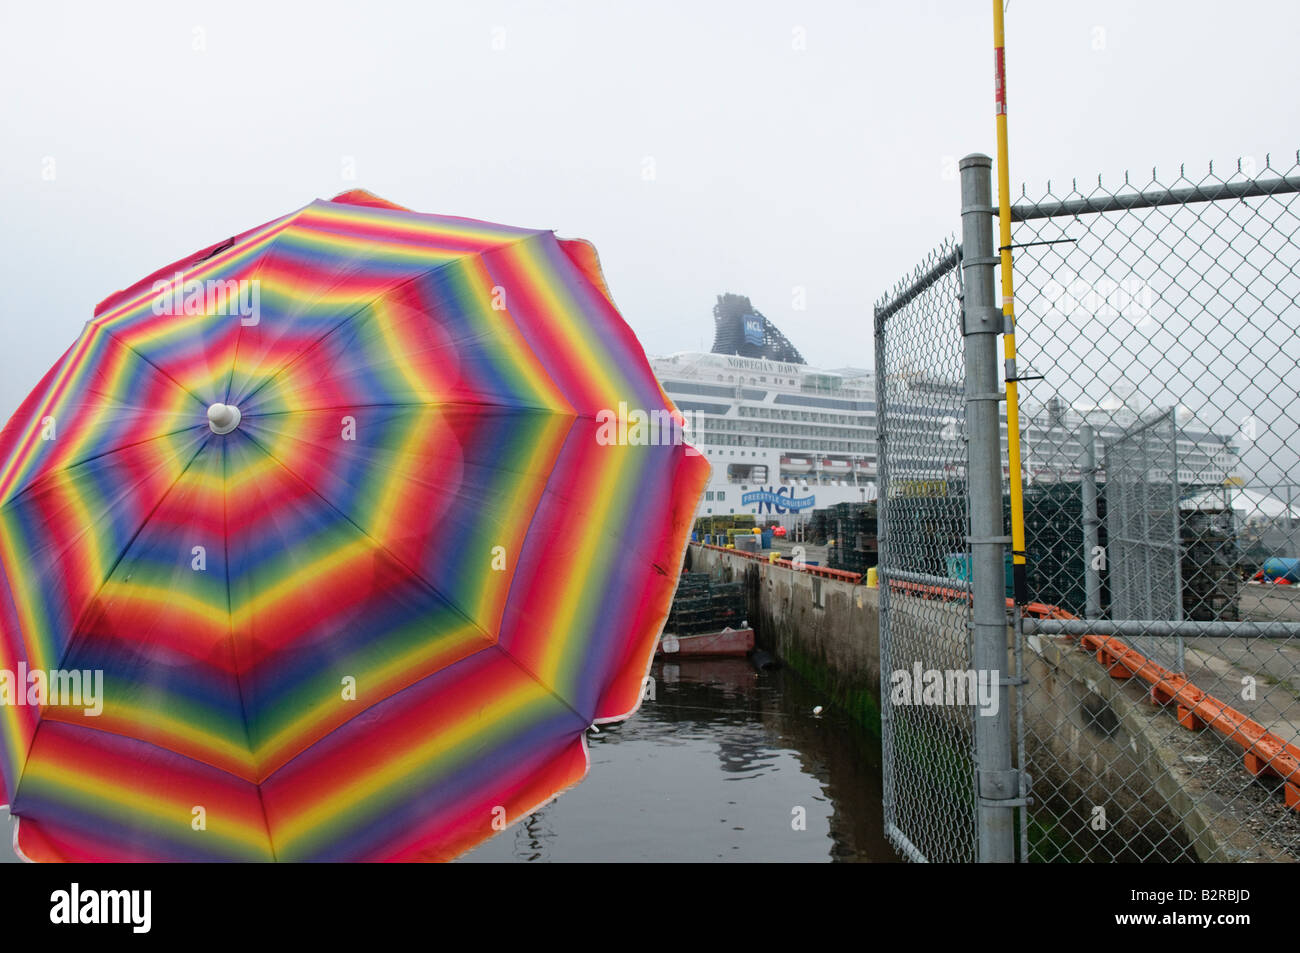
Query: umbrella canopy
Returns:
{"type": "Point", "coordinates": [330, 542]}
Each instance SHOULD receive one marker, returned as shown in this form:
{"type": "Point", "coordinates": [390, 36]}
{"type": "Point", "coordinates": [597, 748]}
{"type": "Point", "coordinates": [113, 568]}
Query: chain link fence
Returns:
{"type": "Point", "coordinates": [1159, 376]}
{"type": "Point", "coordinates": [1155, 666]}
{"type": "Point", "coordinates": [924, 562]}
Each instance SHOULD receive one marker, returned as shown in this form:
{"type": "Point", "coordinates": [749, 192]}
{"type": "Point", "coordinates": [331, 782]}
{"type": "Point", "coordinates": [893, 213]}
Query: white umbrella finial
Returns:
{"type": "Point", "coordinates": [223, 418]}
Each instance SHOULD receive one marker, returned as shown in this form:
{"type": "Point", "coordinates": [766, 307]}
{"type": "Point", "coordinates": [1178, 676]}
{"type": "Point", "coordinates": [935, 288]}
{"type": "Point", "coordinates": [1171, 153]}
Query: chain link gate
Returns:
{"type": "Point", "coordinates": [1142, 494]}
{"type": "Point", "coordinates": [1160, 382]}
{"type": "Point", "coordinates": [923, 523]}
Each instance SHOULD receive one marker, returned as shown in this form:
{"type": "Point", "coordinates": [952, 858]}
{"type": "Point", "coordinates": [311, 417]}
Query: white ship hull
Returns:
{"type": "Point", "coordinates": [784, 439]}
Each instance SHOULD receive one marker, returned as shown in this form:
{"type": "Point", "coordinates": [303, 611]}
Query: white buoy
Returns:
{"type": "Point", "coordinates": [817, 710]}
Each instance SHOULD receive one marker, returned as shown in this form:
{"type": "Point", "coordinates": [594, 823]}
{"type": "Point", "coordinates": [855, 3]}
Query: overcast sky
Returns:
{"type": "Point", "coordinates": [754, 147]}
{"type": "Point", "coordinates": [702, 146]}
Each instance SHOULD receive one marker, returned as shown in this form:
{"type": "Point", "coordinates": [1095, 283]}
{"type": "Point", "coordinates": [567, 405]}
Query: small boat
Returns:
{"type": "Point", "coordinates": [722, 644]}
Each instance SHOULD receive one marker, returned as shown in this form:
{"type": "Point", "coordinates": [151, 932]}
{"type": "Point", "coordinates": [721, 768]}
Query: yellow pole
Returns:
{"type": "Point", "coordinates": [1008, 310]}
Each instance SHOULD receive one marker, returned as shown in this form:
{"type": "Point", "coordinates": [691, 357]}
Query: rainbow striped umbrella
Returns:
{"type": "Point", "coordinates": [330, 542]}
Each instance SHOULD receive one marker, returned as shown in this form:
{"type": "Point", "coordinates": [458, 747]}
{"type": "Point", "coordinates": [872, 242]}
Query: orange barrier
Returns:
{"type": "Point", "coordinates": [853, 578]}
{"type": "Point", "coordinates": [1040, 609]}
{"type": "Point", "coordinates": [1264, 752]}
{"type": "Point", "coordinates": [928, 592]}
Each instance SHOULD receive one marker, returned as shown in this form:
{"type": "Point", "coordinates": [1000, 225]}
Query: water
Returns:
{"type": "Point", "coordinates": [713, 769]}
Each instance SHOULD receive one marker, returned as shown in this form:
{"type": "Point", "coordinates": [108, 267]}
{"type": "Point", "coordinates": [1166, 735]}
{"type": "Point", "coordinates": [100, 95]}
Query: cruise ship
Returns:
{"type": "Point", "coordinates": [785, 438]}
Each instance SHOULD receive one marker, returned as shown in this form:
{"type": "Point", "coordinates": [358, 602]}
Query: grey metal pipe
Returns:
{"type": "Point", "coordinates": [1164, 628]}
{"type": "Point", "coordinates": [1175, 489]}
{"type": "Point", "coordinates": [885, 556]}
{"type": "Point", "coordinates": [1158, 197]}
{"type": "Point", "coordinates": [1091, 523]}
{"type": "Point", "coordinates": [918, 287]}
{"type": "Point", "coordinates": [922, 579]}
{"type": "Point", "coordinates": [996, 779]}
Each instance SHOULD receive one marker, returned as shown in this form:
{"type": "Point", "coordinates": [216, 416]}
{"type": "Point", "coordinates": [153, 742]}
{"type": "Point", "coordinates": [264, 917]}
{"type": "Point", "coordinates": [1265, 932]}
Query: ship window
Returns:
{"type": "Point", "coordinates": [746, 473]}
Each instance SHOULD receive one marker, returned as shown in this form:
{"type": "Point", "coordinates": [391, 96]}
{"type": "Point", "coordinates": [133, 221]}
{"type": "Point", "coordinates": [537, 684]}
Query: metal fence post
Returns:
{"type": "Point", "coordinates": [997, 782]}
{"type": "Point", "coordinates": [1091, 524]}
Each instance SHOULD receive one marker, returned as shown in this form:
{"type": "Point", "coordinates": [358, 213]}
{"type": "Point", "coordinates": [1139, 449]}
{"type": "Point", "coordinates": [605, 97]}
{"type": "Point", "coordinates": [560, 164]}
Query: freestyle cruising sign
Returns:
{"type": "Point", "coordinates": [778, 500]}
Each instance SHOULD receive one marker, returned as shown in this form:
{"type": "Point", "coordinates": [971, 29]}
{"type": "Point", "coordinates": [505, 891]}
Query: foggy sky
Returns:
{"type": "Point", "coordinates": [792, 146]}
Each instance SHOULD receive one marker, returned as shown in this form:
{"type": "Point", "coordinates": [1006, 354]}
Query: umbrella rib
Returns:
{"type": "Point", "coordinates": [230, 620]}
{"type": "Point", "coordinates": [113, 337]}
{"type": "Point", "coordinates": [379, 545]}
{"type": "Point", "coordinates": [65, 468]}
{"type": "Point", "coordinates": [527, 408]}
{"type": "Point", "coordinates": [549, 689]}
{"type": "Point", "coordinates": [394, 469]}
{"type": "Point", "coordinates": [81, 615]}
{"type": "Point", "coordinates": [524, 668]}
{"type": "Point", "coordinates": [423, 273]}
{"type": "Point", "coordinates": [520, 665]}
{"type": "Point", "coordinates": [256, 271]}
{"type": "Point", "coordinates": [346, 319]}
{"type": "Point", "coordinates": [419, 578]}
{"type": "Point", "coordinates": [144, 358]}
